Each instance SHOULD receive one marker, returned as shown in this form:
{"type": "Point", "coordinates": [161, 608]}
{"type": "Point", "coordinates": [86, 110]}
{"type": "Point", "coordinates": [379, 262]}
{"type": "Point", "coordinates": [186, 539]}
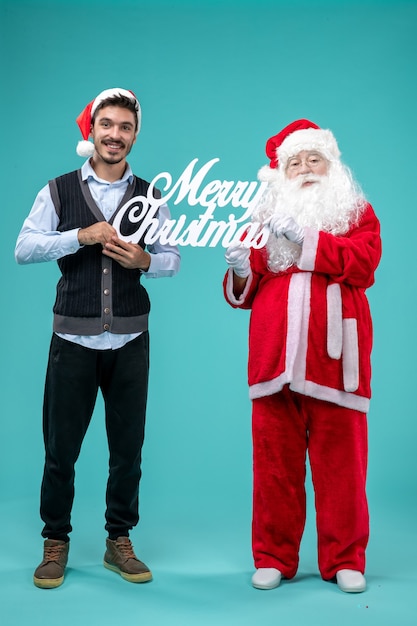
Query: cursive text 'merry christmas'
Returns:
{"type": "Point", "coordinates": [141, 212]}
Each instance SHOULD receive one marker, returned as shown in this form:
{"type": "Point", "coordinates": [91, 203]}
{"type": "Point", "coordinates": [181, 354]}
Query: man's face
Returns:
{"type": "Point", "coordinates": [305, 163]}
{"type": "Point", "coordinates": [113, 133]}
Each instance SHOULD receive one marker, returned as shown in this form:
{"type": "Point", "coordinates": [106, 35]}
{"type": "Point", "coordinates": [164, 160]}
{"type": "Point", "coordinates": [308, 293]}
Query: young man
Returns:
{"type": "Point", "coordinates": [100, 338]}
{"type": "Point", "coordinates": [310, 344]}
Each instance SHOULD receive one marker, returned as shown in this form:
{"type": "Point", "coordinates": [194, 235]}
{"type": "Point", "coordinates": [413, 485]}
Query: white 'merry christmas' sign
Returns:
{"type": "Point", "coordinates": [139, 213]}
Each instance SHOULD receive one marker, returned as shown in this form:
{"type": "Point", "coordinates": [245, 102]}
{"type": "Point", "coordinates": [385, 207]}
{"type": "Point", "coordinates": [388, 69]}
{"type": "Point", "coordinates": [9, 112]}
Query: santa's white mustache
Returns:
{"type": "Point", "coordinates": [302, 179]}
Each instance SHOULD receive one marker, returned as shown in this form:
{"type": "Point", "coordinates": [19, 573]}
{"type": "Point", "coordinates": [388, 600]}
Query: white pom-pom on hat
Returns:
{"type": "Point", "coordinates": [268, 174]}
{"type": "Point", "coordinates": [85, 148]}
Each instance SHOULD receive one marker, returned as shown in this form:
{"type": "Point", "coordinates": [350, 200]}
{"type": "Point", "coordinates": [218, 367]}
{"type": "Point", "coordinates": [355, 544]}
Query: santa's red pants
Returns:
{"type": "Point", "coordinates": [285, 426]}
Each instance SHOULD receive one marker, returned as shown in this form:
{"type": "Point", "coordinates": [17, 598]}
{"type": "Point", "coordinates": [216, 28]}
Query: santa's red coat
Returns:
{"type": "Point", "coordinates": [310, 326]}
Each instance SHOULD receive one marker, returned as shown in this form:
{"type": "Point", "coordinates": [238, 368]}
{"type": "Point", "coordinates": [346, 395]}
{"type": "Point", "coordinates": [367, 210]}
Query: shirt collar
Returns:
{"type": "Point", "coordinates": [87, 172]}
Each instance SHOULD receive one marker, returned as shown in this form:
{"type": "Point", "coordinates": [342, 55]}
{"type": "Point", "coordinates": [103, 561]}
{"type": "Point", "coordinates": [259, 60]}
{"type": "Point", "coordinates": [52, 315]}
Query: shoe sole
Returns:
{"type": "Point", "coordinates": [352, 589]}
{"type": "Point", "coordinates": [266, 587]}
{"type": "Point", "coordinates": [131, 578]}
{"type": "Point", "coordinates": [47, 583]}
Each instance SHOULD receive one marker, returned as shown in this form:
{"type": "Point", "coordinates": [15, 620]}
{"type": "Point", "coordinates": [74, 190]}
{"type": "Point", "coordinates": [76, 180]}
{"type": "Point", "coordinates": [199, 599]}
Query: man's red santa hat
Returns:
{"type": "Point", "coordinates": [85, 148]}
{"type": "Point", "coordinates": [297, 136]}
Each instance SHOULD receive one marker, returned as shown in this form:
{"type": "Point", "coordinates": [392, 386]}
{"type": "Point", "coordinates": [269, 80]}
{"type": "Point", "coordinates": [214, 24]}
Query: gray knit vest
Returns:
{"type": "Point", "coordinates": [94, 293]}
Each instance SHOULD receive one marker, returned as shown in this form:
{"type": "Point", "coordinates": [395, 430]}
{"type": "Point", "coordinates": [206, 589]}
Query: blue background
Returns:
{"type": "Point", "coordinates": [215, 79]}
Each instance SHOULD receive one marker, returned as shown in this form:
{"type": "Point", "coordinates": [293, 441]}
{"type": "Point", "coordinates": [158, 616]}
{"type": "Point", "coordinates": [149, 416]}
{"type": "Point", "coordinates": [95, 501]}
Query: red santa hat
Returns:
{"type": "Point", "coordinates": [297, 136]}
{"type": "Point", "coordinates": [85, 148]}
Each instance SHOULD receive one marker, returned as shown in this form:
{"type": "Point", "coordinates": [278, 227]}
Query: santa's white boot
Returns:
{"type": "Point", "coordinates": [350, 581]}
{"type": "Point", "coordinates": [266, 578]}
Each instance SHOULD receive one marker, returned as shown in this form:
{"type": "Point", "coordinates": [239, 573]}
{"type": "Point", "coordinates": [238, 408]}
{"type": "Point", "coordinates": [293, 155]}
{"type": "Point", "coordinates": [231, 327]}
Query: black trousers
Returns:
{"type": "Point", "coordinates": [74, 376]}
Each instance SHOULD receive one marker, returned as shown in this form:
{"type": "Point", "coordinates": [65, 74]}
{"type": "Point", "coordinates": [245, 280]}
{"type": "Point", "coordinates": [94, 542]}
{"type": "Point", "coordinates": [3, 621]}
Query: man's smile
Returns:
{"type": "Point", "coordinates": [113, 145]}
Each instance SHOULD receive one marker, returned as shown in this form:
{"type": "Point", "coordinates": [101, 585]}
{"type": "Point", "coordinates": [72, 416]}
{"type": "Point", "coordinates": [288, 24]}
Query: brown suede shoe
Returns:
{"type": "Point", "coordinates": [120, 558]}
{"type": "Point", "coordinates": [50, 573]}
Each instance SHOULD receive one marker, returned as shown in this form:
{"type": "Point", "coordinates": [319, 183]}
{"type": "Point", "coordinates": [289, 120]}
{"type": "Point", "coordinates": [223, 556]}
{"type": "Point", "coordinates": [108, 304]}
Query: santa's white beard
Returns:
{"type": "Point", "coordinates": [333, 203]}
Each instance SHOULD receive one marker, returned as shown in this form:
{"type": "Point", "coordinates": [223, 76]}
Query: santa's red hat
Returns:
{"type": "Point", "coordinates": [85, 148]}
{"type": "Point", "coordinates": [297, 136]}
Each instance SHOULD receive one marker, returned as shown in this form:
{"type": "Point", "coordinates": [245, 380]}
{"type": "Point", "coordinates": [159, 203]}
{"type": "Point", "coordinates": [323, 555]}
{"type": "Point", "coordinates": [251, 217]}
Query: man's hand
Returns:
{"type": "Point", "coordinates": [101, 232]}
{"type": "Point", "coordinates": [285, 226]}
{"type": "Point", "coordinates": [128, 255]}
{"type": "Point", "coordinates": [237, 257]}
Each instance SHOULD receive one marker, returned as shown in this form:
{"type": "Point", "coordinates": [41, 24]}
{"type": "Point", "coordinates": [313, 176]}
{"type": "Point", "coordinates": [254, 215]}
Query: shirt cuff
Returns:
{"type": "Point", "coordinates": [162, 264]}
{"type": "Point", "coordinates": [69, 242]}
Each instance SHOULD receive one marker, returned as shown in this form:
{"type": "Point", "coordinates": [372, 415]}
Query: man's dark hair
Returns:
{"type": "Point", "coordinates": [118, 101]}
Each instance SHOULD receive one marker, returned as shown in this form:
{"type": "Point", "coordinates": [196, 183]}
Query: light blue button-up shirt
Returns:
{"type": "Point", "coordinates": [40, 241]}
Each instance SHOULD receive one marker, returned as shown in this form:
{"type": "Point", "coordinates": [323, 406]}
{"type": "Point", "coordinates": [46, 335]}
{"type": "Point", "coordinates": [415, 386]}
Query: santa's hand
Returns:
{"type": "Point", "coordinates": [237, 257]}
{"type": "Point", "coordinates": [285, 226]}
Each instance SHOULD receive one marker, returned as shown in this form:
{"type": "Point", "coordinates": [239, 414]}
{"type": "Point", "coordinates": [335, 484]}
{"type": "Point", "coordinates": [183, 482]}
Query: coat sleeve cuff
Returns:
{"type": "Point", "coordinates": [229, 289]}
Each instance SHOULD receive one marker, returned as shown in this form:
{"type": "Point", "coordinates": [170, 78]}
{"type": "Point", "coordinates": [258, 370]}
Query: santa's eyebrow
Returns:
{"type": "Point", "coordinates": [309, 153]}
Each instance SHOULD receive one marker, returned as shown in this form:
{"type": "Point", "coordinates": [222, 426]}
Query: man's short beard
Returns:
{"type": "Point", "coordinates": [333, 203]}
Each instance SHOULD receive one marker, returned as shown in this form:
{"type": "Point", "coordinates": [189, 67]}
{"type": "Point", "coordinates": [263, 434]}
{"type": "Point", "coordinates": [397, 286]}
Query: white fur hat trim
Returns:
{"type": "Point", "coordinates": [322, 141]}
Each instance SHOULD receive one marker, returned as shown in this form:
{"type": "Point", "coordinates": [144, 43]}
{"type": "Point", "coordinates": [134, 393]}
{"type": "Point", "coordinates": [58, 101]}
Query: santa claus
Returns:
{"type": "Point", "coordinates": [310, 341]}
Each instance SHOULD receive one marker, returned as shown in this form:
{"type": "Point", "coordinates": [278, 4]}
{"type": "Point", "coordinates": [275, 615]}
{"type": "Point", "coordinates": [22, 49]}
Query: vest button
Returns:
{"type": "Point", "coordinates": [106, 270]}
{"type": "Point", "coordinates": [106, 326]}
{"type": "Point", "coordinates": [106, 292]}
{"type": "Point", "coordinates": [107, 310]}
